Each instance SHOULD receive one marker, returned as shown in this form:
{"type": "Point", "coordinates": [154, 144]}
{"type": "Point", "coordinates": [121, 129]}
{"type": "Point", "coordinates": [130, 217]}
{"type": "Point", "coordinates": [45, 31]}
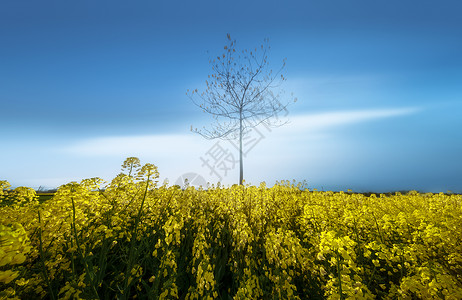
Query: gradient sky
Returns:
{"type": "Point", "coordinates": [85, 84]}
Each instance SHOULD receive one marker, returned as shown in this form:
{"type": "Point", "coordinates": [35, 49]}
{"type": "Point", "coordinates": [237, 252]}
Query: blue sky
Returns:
{"type": "Point", "coordinates": [85, 84]}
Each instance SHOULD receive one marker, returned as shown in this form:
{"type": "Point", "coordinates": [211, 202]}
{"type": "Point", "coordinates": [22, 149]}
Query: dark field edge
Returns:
{"type": "Point", "coordinates": [49, 194]}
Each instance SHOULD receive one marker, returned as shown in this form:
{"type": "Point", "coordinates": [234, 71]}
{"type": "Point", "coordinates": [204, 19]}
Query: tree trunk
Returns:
{"type": "Point", "coordinates": [241, 165]}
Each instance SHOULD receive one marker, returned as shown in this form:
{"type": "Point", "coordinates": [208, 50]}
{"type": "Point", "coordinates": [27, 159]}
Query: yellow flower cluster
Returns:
{"type": "Point", "coordinates": [132, 238]}
{"type": "Point", "coordinates": [14, 246]}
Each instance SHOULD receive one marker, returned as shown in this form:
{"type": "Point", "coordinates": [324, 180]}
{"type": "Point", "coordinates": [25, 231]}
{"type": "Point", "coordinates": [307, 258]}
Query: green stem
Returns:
{"type": "Point", "coordinates": [378, 228]}
{"type": "Point", "coordinates": [77, 242]}
{"type": "Point", "coordinates": [72, 260]}
{"type": "Point", "coordinates": [42, 259]}
{"type": "Point", "coordinates": [339, 277]}
{"type": "Point", "coordinates": [131, 255]}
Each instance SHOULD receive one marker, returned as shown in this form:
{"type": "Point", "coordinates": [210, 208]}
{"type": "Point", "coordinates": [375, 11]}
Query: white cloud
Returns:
{"type": "Point", "coordinates": [282, 152]}
{"type": "Point", "coordinates": [330, 120]}
{"type": "Point", "coordinates": [178, 145]}
{"type": "Point", "coordinates": [160, 145]}
{"type": "Point", "coordinates": [174, 154]}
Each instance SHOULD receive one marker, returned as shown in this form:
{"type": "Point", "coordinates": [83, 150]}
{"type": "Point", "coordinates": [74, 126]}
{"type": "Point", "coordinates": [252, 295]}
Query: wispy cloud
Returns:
{"type": "Point", "coordinates": [183, 145]}
{"type": "Point", "coordinates": [174, 154]}
{"type": "Point", "coordinates": [158, 145]}
{"type": "Point", "coordinates": [331, 120]}
{"type": "Point", "coordinates": [284, 152]}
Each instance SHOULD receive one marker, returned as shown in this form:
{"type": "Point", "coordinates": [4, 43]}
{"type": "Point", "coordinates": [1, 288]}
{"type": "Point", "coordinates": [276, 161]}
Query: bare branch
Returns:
{"type": "Point", "coordinates": [240, 93]}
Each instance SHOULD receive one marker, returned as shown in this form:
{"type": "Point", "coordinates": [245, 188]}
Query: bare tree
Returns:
{"type": "Point", "coordinates": [241, 93]}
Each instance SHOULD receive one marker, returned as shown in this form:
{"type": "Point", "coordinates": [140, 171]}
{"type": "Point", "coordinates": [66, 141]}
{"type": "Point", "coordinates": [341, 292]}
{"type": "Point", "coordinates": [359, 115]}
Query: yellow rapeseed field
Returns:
{"type": "Point", "coordinates": [132, 238]}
